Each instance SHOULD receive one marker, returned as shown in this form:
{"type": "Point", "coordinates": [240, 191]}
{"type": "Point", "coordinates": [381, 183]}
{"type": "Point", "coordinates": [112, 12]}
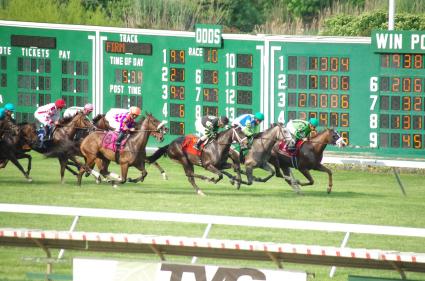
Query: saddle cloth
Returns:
{"type": "Point", "coordinates": [110, 139]}
{"type": "Point", "coordinates": [188, 143]}
{"type": "Point", "coordinates": [283, 148]}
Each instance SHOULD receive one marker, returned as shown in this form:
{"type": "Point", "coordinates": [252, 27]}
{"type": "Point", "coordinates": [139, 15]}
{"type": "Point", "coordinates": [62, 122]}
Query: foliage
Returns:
{"type": "Point", "coordinates": [244, 15]}
{"type": "Point", "coordinates": [306, 9]}
{"type": "Point", "coordinates": [362, 25]}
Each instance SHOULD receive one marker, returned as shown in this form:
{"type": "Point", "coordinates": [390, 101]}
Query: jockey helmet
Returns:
{"type": "Point", "coordinates": [88, 107]}
{"type": "Point", "coordinates": [2, 113]}
{"type": "Point", "coordinates": [314, 122]}
{"type": "Point", "coordinates": [60, 103]}
{"type": "Point", "coordinates": [259, 116]}
{"type": "Point", "coordinates": [135, 110]}
{"type": "Point", "coordinates": [224, 120]}
{"type": "Point", "coordinates": [9, 107]}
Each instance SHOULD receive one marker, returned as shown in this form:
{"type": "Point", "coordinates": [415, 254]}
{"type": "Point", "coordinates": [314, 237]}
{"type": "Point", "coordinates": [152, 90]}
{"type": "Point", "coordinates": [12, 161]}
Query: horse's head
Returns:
{"type": "Point", "coordinates": [154, 126]}
{"type": "Point", "coordinates": [239, 137]}
{"type": "Point", "coordinates": [80, 121]}
{"type": "Point", "coordinates": [334, 138]}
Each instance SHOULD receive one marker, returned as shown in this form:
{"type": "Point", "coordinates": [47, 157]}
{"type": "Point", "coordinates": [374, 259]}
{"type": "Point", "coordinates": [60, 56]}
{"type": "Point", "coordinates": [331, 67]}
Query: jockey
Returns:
{"type": "Point", "coordinates": [127, 122]}
{"type": "Point", "coordinates": [208, 127]}
{"type": "Point", "coordinates": [297, 129]}
{"type": "Point", "coordinates": [88, 108]}
{"type": "Point", "coordinates": [9, 109]}
{"type": "Point", "coordinates": [249, 123]}
{"type": "Point", "coordinates": [48, 115]}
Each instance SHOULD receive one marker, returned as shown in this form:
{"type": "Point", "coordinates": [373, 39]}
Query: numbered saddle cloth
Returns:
{"type": "Point", "coordinates": [110, 139]}
{"type": "Point", "coordinates": [283, 148]}
{"type": "Point", "coordinates": [188, 143]}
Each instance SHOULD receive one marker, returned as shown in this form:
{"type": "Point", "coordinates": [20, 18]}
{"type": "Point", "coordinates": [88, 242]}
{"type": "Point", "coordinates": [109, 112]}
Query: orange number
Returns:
{"type": "Point", "coordinates": [215, 76]}
{"type": "Point", "coordinates": [407, 85]}
{"type": "Point", "coordinates": [173, 56]}
{"type": "Point", "coordinates": [406, 139]}
{"type": "Point", "coordinates": [181, 110]}
{"type": "Point", "coordinates": [182, 56]}
{"type": "Point", "coordinates": [345, 64]}
{"type": "Point", "coordinates": [417, 141]}
{"type": "Point", "coordinates": [125, 76]}
{"type": "Point", "coordinates": [396, 61]}
{"type": "Point", "coordinates": [395, 84]}
{"type": "Point", "coordinates": [323, 118]}
{"type": "Point", "coordinates": [345, 83]}
{"type": "Point", "coordinates": [418, 61]}
{"type": "Point", "coordinates": [323, 101]}
{"type": "Point", "coordinates": [385, 60]}
{"type": "Point", "coordinates": [302, 99]}
{"type": "Point", "coordinates": [313, 63]}
{"type": "Point", "coordinates": [407, 61]}
{"type": "Point", "coordinates": [313, 81]}
{"type": "Point", "coordinates": [417, 104]}
{"type": "Point", "coordinates": [334, 64]}
{"type": "Point", "coordinates": [334, 101]}
{"type": "Point", "coordinates": [344, 135]}
{"type": "Point", "coordinates": [417, 85]}
{"type": "Point", "coordinates": [345, 101]}
{"type": "Point", "coordinates": [139, 77]}
{"type": "Point", "coordinates": [406, 103]}
{"type": "Point", "coordinates": [334, 119]}
{"type": "Point", "coordinates": [334, 82]}
{"type": "Point", "coordinates": [313, 100]}
{"type": "Point", "coordinates": [345, 120]}
{"type": "Point", "coordinates": [406, 122]}
{"type": "Point", "coordinates": [312, 115]}
{"type": "Point", "coordinates": [324, 63]}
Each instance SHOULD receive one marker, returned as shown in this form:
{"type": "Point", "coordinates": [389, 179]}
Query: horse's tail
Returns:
{"type": "Point", "coordinates": [157, 154]}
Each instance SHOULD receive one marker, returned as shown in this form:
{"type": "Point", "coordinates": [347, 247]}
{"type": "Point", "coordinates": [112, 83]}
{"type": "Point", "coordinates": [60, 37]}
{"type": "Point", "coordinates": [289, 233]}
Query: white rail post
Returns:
{"type": "Point", "coordinates": [72, 228]}
{"type": "Point", "coordinates": [343, 244]}
{"type": "Point", "coordinates": [207, 230]}
{"type": "Point", "coordinates": [391, 11]}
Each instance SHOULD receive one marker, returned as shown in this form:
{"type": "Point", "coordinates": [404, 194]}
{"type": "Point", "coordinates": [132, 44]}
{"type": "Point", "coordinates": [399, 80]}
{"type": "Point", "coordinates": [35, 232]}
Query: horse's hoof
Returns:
{"type": "Point", "coordinates": [29, 179]}
{"type": "Point", "coordinates": [164, 176]}
{"type": "Point", "coordinates": [329, 190]}
{"type": "Point", "coordinates": [115, 186]}
{"type": "Point", "coordinates": [201, 193]}
{"type": "Point", "coordinates": [98, 180]}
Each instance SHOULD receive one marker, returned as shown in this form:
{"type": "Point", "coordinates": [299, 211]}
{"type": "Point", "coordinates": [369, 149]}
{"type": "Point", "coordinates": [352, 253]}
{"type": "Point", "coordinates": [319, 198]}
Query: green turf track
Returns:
{"type": "Point", "coordinates": [364, 197]}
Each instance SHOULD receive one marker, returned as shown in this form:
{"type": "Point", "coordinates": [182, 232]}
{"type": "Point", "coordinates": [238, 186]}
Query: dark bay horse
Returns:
{"type": "Point", "coordinates": [212, 158]}
{"type": "Point", "coordinates": [259, 153]}
{"type": "Point", "coordinates": [308, 158]}
{"type": "Point", "coordinates": [13, 146]}
{"type": "Point", "coordinates": [133, 154]}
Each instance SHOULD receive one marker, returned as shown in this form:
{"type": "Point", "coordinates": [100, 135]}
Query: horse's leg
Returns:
{"type": "Point", "coordinates": [3, 163]}
{"type": "Point", "coordinates": [161, 170]}
{"type": "Point", "coordinates": [267, 168]}
{"type": "Point", "coordinates": [144, 173]}
{"type": "Point", "coordinates": [249, 170]}
{"type": "Point", "coordinates": [275, 162]}
{"type": "Point", "coordinates": [13, 159]}
{"type": "Point", "coordinates": [124, 171]}
{"type": "Point", "coordinates": [329, 172]}
{"type": "Point", "coordinates": [216, 171]}
{"type": "Point", "coordinates": [62, 162]}
{"type": "Point", "coordinates": [190, 174]}
{"type": "Point", "coordinates": [89, 159]}
{"type": "Point", "coordinates": [291, 180]}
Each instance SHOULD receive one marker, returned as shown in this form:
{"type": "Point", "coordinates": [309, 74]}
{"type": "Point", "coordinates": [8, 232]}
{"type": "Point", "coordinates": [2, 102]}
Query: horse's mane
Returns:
{"type": "Point", "coordinates": [98, 117]}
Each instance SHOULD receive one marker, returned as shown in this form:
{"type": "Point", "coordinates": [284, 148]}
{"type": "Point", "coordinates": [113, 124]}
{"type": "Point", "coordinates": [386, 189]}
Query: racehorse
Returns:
{"type": "Point", "coordinates": [213, 157]}
{"type": "Point", "coordinates": [259, 153]}
{"type": "Point", "coordinates": [133, 153]}
{"type": "Point", "coordinates": [307, 158]}
{"type": "Point", "coordinates": [14, 146]}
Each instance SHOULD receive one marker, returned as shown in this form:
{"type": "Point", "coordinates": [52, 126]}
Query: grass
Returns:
{"type": "Point", "coordinates": [358, 197]}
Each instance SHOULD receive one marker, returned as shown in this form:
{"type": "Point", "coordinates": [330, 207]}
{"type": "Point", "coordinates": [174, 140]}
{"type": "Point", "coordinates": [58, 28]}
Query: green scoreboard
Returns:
{"type": "Point", "coordinates": [372, 90]}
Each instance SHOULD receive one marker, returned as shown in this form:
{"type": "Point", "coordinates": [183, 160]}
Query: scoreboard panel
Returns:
{"type": "Point", "coordinates": [372, 90]}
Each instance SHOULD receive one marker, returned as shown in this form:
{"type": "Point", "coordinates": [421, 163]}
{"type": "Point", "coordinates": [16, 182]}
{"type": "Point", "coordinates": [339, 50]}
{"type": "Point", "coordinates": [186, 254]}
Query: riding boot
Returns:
{"type": "Point", "coordinates": [197, 145]}
{"type": "Point", "coordinates": [118, 146]}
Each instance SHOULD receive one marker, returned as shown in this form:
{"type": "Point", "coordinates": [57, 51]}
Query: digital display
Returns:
{"type": "Point", "coordinates": [210, 110]}
{"type": "Point", "coordinates": [244, 61]}
{"type": "Point", "coordinates": [333, 64]}
{"type": "Point", "coordinates": [177, 56]}
{"type": "Point", "coordinates": [407, 61]}
{"type": "Point", "coordinates": [33, 41]}
{"type": "Point", "coordinates": [324, 82]}
{"type": "Point", "coordinates": [210, 77]}
{"type": "Point", "coordinates": [177, 110]}
{"type": "Point", "coordinates": [407, 140]}
{"type": "Point", "coordinates": [177, 74]}
{"type": "Point", "coordinates": [404, 122]}
{"type": "Point", "coordinates": [244, 97]}
{"type": "Point", "coordinates": [127, 76]}
{"type": "Point", "coordinates": [210, 55]}
{"type": "Point", "coordinates": [128, 48]}
{"type": "Point", "coordinates": [176, 128]}
{"type": "Point", "coordinates": [314, 100]}
{"type": "Point", "coordinates": [326, 119]}
{"type": "Point", "coordinates": [210, 94]}
{"type": "Point", "coordinates": [177, 92]}
{"type": "Point", "coordinates": [402, 84]}
{"type": "Point", "coordinates": [244, 79]}
{"type": "Point", "coordinates": [240, 111]}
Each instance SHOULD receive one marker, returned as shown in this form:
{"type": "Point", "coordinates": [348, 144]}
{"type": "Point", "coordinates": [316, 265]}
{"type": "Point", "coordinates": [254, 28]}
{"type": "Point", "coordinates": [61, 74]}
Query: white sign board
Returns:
{"type": "Point", "coordinates": [112, 270]}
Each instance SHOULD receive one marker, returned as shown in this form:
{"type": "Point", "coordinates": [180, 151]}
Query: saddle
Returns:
{"type": "Point", "coordinates": [110, 139]}
{"type": "Point", "coordinates": [283, 148]}
{"type": "Point", "coordinates": [188, 143]}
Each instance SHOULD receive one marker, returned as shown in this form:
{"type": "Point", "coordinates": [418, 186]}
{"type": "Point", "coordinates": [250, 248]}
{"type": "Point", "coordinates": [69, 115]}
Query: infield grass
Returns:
{"type": "Point", "coordinates": [362, 197]}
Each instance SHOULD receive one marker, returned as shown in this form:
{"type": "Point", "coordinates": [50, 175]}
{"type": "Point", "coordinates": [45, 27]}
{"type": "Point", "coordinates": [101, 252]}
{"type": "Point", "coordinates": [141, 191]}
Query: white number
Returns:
{"type": "Point", "coordinates": [198, 111]}
{"type": "Point", "coordinates": [281, 81]}
{"type": "Point", "coordinates": [164, 52]}
{"type": "Point", "coordinates": [230, 76]}
{"type": "Point", "coordinates": [198, 76]}
{"type": "Point", "coordinates": [373, 121]}
{"type": "Point", "coordinates": [230, 113]}
{"type": "Point", "coordinates": [165, 110]}
{"type": "Point", "coordinates": [373, 84]}
{"type": "Point", "coordinates": [281, 63]}
{"type": "Point", "coordinates": [164, 92]}
{"type": "Point", "coordinates": [230, 96]}
{"type": "Point", "coordinates": [374, 99]}
{"type": "Point", "coordinates": [281, 102]}
{"type": "Point", "coordinates": [164, 74]}
{"type": "Point", "coordinates": [373, 137]}
{"type": "Point", "coordinates": [230, 60]}
{"type": "Point", "coordinates": [198, 93]}
{"type": "Point", "coordinates": [281, 117]}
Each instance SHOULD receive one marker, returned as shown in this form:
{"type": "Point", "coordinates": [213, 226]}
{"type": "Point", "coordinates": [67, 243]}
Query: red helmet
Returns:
{"type": "Point", "coordinates": [60, 103]}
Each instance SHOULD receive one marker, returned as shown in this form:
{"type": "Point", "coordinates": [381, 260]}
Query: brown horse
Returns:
{"type": "Point", "coordinates": [133, 153]}
{"type": "Point", "coordinates": [213, 157]}
{"type": "Point", "coordinates": [308, 158]}
{"type": "Point", "coordinates": [15, 146]}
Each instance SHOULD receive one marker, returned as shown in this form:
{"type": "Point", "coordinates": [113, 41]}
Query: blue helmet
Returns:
{"type": "Point", "coordinates": [9, 106]}
{"type": "Point", "coordinates": [2, 113]}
